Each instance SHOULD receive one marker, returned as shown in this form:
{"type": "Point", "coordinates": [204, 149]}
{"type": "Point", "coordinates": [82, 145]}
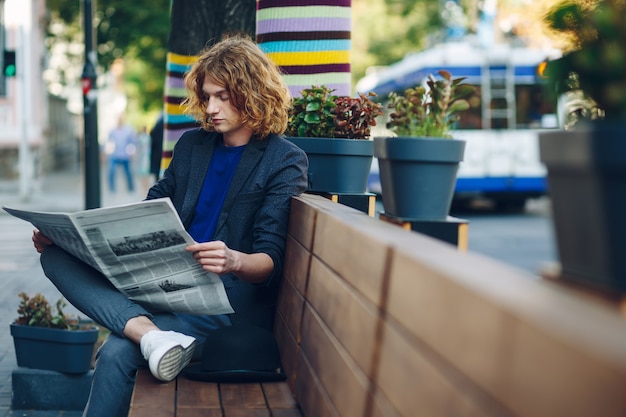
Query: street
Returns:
{"type": "Point", "coordinates": [524, 240]}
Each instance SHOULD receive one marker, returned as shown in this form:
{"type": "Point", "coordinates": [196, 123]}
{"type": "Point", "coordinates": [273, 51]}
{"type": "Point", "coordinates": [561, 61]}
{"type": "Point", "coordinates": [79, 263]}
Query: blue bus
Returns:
{"type": "Point", "coordinates": [501, 160]}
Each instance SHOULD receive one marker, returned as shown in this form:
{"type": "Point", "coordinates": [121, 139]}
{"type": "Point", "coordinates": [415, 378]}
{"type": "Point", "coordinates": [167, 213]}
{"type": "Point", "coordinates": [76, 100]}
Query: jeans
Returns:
{"type": "Point", "coordinates": [118, 358]}
{"type": "Point", "coordinates": [125, 163]}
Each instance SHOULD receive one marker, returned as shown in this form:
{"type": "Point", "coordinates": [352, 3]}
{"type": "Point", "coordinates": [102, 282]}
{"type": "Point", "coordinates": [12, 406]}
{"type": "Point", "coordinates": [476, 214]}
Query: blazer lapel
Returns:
{"type": "Point", "coordinates": [201, 157]}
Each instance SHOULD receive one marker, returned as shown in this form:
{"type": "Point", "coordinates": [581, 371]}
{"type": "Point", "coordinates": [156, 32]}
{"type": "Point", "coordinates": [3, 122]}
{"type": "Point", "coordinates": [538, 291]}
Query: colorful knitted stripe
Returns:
{"type": "Point", "coordinates": [175, 122]}
{"type": "Point", "coordinates": [309, 40]}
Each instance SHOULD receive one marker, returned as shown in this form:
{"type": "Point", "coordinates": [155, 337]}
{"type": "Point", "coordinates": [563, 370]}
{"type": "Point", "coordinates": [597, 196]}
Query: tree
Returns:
{"type": "Point", "coordinates": [136, 31]}
{"type": "Point", "coordinates": [405, 26]}
{"type": "Point", "coordinates": [196, 23]}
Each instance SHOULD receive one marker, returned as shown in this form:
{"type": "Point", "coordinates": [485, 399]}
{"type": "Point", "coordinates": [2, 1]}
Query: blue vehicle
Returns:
{"type": "Point", "coordinates": [501, 160]}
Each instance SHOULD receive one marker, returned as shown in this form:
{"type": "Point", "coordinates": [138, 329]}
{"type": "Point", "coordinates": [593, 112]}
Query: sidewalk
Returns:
{"type": "Point", "coordinates": [19, 263]}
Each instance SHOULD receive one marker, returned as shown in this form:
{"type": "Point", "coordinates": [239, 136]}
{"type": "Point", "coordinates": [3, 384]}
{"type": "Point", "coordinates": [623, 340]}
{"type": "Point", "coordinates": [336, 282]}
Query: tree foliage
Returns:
{"type": "Point", "coordinates": [198, 23]}
{"type": "Point", "coordinates": [384, 31]}
{"type": "Point", "coordinates": [136, 31]}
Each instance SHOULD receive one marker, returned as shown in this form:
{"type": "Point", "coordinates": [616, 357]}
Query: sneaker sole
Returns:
{"type": "Point", "coordinates": [171, 362]}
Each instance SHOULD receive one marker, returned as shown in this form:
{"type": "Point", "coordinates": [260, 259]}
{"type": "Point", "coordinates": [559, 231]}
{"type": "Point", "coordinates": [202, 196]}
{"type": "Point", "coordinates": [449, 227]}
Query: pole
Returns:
{"type": "Point", "coordinates": [90, 111]}
{"type": "Point", "coordinates": [25, 159]}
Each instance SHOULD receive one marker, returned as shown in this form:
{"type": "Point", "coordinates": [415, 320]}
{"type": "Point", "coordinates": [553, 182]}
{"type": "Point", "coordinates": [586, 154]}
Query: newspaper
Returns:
{"type": "Point", "coordinates": [140, 248]}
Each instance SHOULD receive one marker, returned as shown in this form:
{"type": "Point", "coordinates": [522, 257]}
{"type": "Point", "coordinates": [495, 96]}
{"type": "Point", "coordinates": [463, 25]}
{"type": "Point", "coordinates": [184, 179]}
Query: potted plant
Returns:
{"type": "Point", "coordinates": [586, 164]}
{"type": "Point", "coordinates": [334, 132]}
{"type": "Point", "coordinates": [52, 340]}
{"type": "Point", "coordinates": [418, 167]}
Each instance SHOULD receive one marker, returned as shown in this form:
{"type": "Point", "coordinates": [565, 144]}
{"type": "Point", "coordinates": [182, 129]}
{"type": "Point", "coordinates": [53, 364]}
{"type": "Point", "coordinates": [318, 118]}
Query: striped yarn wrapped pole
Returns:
{"type": "Point", "coordinates": [175, 122]}
{"type": "Point", "coordinates": [309, 40]}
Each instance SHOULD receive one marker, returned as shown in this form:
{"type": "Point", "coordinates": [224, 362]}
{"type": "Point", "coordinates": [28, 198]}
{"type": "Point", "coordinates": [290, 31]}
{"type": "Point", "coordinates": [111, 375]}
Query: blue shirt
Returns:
{"type": "Point", "coordinates": [216, 183]}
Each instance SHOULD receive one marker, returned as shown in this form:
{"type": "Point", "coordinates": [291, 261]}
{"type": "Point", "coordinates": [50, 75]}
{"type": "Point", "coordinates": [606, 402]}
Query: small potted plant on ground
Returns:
{"type": "Point", "coordinates": [44, 339]}
{"type": "Point", "coordinates": [418, 167]}
{"type": "Point", "coordinates": [334, 131]}
{"type": "Point", "coordinates": [586, 163]}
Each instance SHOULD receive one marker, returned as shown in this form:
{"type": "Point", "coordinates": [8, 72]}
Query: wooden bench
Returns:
{"type": "Point", "coordinates": [377, 321]}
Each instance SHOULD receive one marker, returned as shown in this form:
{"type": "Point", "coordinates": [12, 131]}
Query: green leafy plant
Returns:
{"type": "Point", "coordinates": [596, 64]}
{"type": "Point", "coordinates": [36, 311]}
{"type": "Point", "coordinates": [429, 111]}
{"type": "Point", "coordinates": [319, 113]}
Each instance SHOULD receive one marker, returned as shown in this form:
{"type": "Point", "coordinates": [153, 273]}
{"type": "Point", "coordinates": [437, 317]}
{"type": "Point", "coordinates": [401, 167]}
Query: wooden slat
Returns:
{"type": "Point", "coordinates": [199, 412]}
{"type": "Point", "coordinates": [290, 298]}
{"type": "Point", "coordinates": [289, 350]}
{"type": "Point", "coordinates": [289, 306]}
{"type": "Point", "coordinates": [249, 395]}
{"type": "Point", "coordinates": [196, 394]}
{"type": "Point", "coordinates": [350, 317]}
{"type": "Point", "coordinates": [243, 400]}
{"type": "Point", "coordinates": [152, 398]}
{"type": "Point", "coordinates": [344, 383]}
{"type": "Point", "coordinates": [536, 348]}
{"type": "Point", "coordinates": [296, 268]}
{"type": "Point", "coordinates": [247, 412]}
{"type": "Point", "coordinates": [312, 398]}
{"type": "Point", "coordinates": [278, 396]}
{"type": "Point", "coordinates": [302, 219]}
{"type": "Point", "coordinates": [411, 377]}
{"type": "Point", "coordinates": [359, 257]}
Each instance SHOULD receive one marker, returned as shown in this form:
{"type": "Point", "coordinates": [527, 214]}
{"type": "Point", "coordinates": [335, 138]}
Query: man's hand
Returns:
{"type": "Point", "coordinates": [40, 241]}
{"type": "Point", "coordinates": [216, 257]}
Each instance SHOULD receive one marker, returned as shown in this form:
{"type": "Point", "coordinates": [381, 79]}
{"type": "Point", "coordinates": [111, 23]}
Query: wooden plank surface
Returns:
{"type": "Point", "coordinates": [152, 398]}
{"type": "Point", "coordinates": [196, 394]}
{"type": "Point", "coordinates": [296, 268]}
{"type": "Point", "coordinates": [338, 375]}
{"type": "Point", "coordinates": [278, 396]}
{"type": "Point", "coordinates": [350, 317]}
{"type": "Point", "coordinates": [289, 350]}
{"type": "Point", "coordinates": [535, 347]}
{"type": "Point", "coordinates": [302, 219]}
{"type": "Point", "coordinates": [358, 257]}
{"type": "Point", "coordinates": [312, 398]}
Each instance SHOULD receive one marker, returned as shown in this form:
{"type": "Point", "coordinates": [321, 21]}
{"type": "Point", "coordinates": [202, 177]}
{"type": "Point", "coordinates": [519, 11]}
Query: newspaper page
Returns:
{"type": "Point", "coordinates": [140, 248]}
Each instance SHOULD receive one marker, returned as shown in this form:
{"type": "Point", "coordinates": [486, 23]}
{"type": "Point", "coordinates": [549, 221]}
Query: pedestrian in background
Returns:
{"type": "Point", "coordinates": [120, 149]}
{"type": "Point", "coordinates": [142, 161]}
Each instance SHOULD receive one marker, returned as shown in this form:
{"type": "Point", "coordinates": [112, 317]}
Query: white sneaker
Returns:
{"type": "Point", "coordinates": [167, 352]}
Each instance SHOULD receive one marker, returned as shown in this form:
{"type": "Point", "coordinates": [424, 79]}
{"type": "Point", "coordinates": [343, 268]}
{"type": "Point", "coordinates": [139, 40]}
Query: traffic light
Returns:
{"type": "Point", "coordinates": [9, 69]}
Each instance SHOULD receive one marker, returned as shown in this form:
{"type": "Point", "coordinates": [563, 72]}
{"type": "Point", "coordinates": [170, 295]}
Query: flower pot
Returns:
{"type": "Point", "coordinates": [418, 175]}
{"type": "Point", "coordinates": [67, 351]}
{"type": "Point", "coordinates": [337, 165]}
{"type": "Point", "coordinates": [587, 187]}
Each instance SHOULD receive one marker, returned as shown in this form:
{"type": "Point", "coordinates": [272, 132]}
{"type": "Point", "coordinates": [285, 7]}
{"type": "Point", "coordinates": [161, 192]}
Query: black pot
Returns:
{"type": "Point", "coordinates": [587, 186]}
{"type": "Point", "coordinates": [418, 175]}
{"type": "Point", "coordinates": [337, 165]}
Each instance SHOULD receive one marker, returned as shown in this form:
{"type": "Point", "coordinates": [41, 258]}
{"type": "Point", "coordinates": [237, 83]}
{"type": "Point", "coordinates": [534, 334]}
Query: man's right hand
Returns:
{"type": "Point", "coordinates": [40, 241]}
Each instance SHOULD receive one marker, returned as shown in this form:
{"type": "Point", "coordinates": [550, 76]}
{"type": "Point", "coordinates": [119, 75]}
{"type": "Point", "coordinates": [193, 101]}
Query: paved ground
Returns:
{"type": "Point", "coordinates": [19, 263]}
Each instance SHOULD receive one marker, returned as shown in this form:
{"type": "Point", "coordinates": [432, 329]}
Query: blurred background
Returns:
{"type": "Point", "coordinates": [59, 67]}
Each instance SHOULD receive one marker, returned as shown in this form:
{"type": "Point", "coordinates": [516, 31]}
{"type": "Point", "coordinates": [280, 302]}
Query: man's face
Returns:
{"type": "Point", "coordinates": [226, 119]}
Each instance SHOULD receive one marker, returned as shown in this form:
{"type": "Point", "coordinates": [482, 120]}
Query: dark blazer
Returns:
{"type": "Point", "coordinates": [255, 214]}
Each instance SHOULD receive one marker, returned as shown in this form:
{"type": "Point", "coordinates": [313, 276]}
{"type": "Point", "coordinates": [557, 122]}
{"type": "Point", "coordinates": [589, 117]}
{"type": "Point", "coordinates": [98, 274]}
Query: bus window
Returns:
{"type": "Point", "coordinates": [472, 117]}
{"type": "Point", "coordinates": [533, 106]}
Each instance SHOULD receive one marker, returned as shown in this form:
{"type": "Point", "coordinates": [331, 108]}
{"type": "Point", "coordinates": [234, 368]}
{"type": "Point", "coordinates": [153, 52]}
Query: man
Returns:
{"type": "Point", "coordinates": [121, 146]}
{"type": "Point", "coordinates": [231, 182]}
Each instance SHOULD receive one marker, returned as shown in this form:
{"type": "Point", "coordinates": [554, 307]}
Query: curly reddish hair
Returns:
{"type": "Point", "coordinates": [252, 80]}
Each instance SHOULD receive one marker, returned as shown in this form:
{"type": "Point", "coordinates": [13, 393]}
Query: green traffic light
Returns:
{"type": "Point", "coordinates": [10, 71]}
{"type": "Point", "coordinates": [10, 68]}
